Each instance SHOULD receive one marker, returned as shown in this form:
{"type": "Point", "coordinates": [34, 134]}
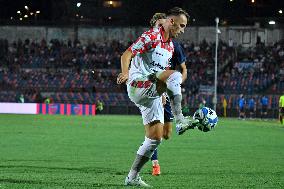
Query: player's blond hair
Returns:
{"type": "Point", "coordinates": [157, 16]}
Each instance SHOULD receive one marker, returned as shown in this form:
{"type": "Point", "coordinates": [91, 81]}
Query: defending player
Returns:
{"type": "Point", "coordinates": [147, 79]}
{"type": "Point", "coordinates": [281, 109]}
{"type": "Point", "coordinates": [177, 62]}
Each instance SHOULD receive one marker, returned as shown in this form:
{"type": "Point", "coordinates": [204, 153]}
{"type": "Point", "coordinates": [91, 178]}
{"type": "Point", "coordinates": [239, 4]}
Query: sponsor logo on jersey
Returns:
{"type": "Point", "coordinates": [156, 64]}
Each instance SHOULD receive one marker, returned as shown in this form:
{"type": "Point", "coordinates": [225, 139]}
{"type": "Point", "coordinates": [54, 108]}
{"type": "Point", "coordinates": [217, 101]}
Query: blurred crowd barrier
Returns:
{"type": "Point", "coordinates": [50, 109]}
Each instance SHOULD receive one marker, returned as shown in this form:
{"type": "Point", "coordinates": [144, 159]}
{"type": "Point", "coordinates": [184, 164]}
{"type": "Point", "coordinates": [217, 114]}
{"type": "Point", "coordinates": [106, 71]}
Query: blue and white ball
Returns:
{"type": "Point", "coordinates": [207, 117]}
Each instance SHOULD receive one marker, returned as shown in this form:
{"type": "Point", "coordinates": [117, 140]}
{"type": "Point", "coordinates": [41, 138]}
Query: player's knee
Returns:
{"type": "Point", "coordinates": [175, 77]}
{"type": "Point", "coordinates": [173, 83]}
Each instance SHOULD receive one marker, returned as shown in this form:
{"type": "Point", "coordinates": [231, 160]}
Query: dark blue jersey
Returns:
{"type": "Point", "coordinates": [264, 101]}
{"type": "Point", "coordinates": [241, 102]}
{"type": "Point", "coordinates": [178, 56]}
{"type": "Point", "coordinates": [177, 59]}
{"type": "Point", "coordinates": [251, 103]}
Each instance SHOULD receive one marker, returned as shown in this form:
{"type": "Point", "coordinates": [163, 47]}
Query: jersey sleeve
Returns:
{"type": "Point", "coordinates": [143, 43]}
{"type": "Point", "coordinates": [179, 55]}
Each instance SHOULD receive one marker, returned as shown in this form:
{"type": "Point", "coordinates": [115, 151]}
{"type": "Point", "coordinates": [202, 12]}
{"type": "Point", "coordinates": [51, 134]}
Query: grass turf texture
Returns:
{"type": "Point", "coordinates": [39, 151]}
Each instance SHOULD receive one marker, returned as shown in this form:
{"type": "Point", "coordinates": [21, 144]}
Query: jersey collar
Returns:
{"type": "Point", "coordinates": [162, 31]}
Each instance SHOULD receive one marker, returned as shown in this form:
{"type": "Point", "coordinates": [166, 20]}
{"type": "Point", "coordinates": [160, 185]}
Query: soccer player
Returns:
{"type": "Point", "coordinates": [242, 107]}
{"type": "Point", "coordinates": [264, 105]}
{"type": "Point", "coordinates": [281, 109]}
{"type": "Point", "coordinates": [251, 106]}
{"type": "Point", "coordinates": [177, 62]}
{"type": "Point", "coordinates": [147, 79]}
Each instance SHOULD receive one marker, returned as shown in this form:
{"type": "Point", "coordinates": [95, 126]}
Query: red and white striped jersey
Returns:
{"type": "Point", "coordinates": [152, 53]}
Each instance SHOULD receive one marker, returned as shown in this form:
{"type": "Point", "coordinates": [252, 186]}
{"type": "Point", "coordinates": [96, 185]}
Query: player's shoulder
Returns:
{"type": "Point", "coordinates": [152, 33]}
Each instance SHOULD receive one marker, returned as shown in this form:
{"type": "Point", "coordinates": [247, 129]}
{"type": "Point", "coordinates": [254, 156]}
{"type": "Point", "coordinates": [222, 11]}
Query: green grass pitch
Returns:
{"type": "Point", "coordinates": [39, 151]}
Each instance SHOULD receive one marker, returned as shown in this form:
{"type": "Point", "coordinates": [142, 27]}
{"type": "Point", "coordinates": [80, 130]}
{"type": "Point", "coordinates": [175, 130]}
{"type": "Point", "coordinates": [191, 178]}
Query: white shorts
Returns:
{"type": "Point", "coordinates": [144, 94]}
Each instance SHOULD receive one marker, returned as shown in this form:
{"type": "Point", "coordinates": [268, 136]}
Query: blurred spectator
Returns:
{"type": "Point", "coordinates": [225, 104]}
{"type": "Point", "coordinates": [252, 107]}
{"type": "Point", "coordinates": [21, 99]}
{"type": "Point", "coordinates": [281, 109]}
{"type": "Point", "coordinates": [264, 106]}
{"type": "Point", "coordinates": [99, 106]}
{"type": "Point", "coordinates": [241, 107]}
{"type": "Point", "coordinates": [47, 100]}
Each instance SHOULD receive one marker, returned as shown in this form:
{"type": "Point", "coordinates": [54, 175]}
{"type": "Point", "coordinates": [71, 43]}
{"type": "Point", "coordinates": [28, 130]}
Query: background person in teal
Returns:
{"type": "Point", "coordinates": [242, 107]}
{"type": "Point", "coordinates": [251, 106]}
{"type": "Point", "coordinates": [264, 105]}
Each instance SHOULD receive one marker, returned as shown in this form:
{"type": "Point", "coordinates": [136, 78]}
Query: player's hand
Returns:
{"type": "Point", "coordinates": [121, 78]}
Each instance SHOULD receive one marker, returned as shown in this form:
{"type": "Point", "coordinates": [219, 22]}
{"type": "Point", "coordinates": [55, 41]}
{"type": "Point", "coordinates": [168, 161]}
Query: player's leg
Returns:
{"type": "Point", "coordinates": [167, 131]}
{"type": "Point", "coordinates": [153, 119]}
{"type": "Point", "coordinates": [168, 117]}
{"type": "Point", "coordinates": [155, 164]}
{"type": "Point", "coordinates": [153, 138]}
{"type": "Point", "coordinates": [244, 113]}
{"type": "Point", "coordinates": [280, 118]}
{"type": "Point", "coordinates": [265, 112]}
{"type": "Point", "coordinates": [172, 80]}
{"type": "Point", "coordinates": [252, 113]}
{"type": "Point", "coordinates": [280, 115]}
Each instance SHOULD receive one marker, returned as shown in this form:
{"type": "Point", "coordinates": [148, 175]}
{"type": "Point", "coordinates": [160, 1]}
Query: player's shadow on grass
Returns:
{"type": "Point", "coordinates": [97, 170]}
{"type": "Point", "coordinates": [53, 183]}
{"type": "Point", "coordinates": [44, 169]}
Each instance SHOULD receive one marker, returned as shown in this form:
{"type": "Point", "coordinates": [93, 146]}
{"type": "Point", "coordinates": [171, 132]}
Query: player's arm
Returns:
{"type": "Point", "coordinates": [179, 60]}
{"type": "Point", "coordinates": [125, 62]}
{"type": "Point", "coordinates": [140, 46]}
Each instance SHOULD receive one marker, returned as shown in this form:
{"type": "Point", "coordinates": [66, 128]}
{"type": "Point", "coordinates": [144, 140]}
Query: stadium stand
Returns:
{"type": "Point", "coordinates": [69, 72]}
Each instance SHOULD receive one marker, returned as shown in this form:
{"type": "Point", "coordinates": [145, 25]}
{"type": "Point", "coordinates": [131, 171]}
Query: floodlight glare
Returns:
{"type": "Point", "coordinates": [271, 22]}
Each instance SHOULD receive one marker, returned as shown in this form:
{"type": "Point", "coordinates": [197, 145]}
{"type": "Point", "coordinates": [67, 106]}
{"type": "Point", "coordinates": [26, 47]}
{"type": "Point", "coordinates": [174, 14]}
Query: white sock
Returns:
{"type": "Point", "coordinates": [155, 162]}
{"type": "Point", "coordinates": [144, 153]}
{"type": "Point", "coordinates": [132, 174]}
{"type": "Point", "coordinates": [176, 107]}
{"type": "Point", "coordinates": [148, 147]}
{"type": "Point", "coordinates": [174, 91]}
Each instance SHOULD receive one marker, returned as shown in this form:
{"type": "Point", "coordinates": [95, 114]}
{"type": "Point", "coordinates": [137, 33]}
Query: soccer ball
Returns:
{"type": "Point", "coordinates": [207, 117]}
